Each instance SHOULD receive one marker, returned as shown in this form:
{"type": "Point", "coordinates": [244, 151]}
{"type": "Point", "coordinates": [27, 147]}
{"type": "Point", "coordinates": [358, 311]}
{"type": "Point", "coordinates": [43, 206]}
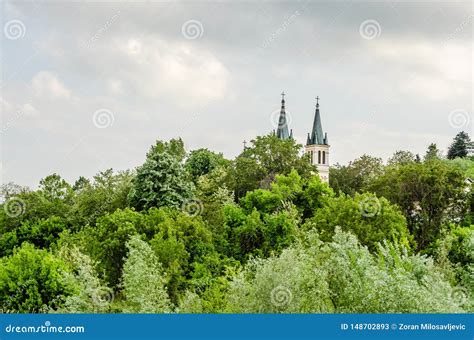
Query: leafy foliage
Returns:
{"type": "Point", "coordinates": [162, 179]}
{"type": "Point", "coordinates": [196, 233]}
{"type": "Point", "coordinates": [460, 146]}
{"type": "Point", "coordinates": [93, 295]}
{"type": "Point", "coordinates": [202, 161]}
{"type": "Point", "coordinates": [33, 280]}
{"type": "Point", "coordinates": [429, 194]}
{"type": "Point", "coordinates": [432, 153]}
{"type": "Point", "coordinates": [371, 219]}
{"type": "Point", "coordinates": [343, 277]}
{"type": "Point", "coordinates": [401, 158]}
{"type": "Point", "coordinates": [143, 280]}
{"type": "Point", "coordinates": [268, 156]}
{"type": "Point", "coordinates": [356, 176]}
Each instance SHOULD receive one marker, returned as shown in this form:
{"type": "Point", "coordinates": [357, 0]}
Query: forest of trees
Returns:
{"type": "Point", "coordinates": [197, 233]}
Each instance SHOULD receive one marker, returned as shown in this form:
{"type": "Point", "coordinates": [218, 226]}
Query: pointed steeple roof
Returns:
{"type": "Point", "coordinates": [316, 136]}
{"type": "Point", "coordinates": [282, 131]}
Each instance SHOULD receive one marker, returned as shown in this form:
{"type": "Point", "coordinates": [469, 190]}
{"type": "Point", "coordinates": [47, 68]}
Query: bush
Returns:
{"type": "Point", "coordinates": [341, 276]}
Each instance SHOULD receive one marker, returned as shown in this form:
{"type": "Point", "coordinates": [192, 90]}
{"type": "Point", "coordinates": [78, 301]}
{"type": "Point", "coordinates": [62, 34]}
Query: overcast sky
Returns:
{"type": "Point", "coordinates": [90, 86]}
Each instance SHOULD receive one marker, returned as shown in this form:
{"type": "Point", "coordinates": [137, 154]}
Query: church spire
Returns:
{"type": "Point", "coordinates": [316, 136]}
{"type": "Point", "coordinates": [282, 131]}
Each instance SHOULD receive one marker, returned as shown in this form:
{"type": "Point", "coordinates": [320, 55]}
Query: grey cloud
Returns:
{"type": "Point", "coordinates": [222, 87]}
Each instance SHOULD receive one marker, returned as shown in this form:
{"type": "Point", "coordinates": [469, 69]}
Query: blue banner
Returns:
{"type": "Point", "coordinates": [243, 326]}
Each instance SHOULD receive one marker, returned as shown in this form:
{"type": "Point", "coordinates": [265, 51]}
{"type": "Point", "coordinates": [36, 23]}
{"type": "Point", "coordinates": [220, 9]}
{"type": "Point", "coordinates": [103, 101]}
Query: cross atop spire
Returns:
{"type": "Point", "coordinates": [316, 136]}
{"type": "Point", "coordinates": [282, 130]}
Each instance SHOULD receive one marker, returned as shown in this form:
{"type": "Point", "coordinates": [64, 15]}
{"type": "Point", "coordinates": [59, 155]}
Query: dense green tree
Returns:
{"type": "Point", "coordinates": [56, 189]}
{"type": "Point", "coordinates": [35, 216]}
{"type": "Point", "coordinates": [466, 165]}
{"type": "Point", "coordinates": [212, 194]}
{"type": "Point", "coordinates": [307, 194]}
{"type": "Point", "coordinates": [429, 194]}
{"type": "Point", "coordinates": [54, 197]}
{"type": "Point", "coordinates": [356, 176]}
{"type": "Point", "coordinates": [175, 147]}
{"type": "Point", "coordinates": [401, 157]}
{"type": "Point", "coordinates": [454, 252]}
{"type": "Point", "coordinates": [106, 241]}
{"type": "Point", "coordinates": [246, 175]}
{"type": "Point", "coordinates": [33, 280]}
{"type": "Point", "coordinates": [80, 184]}
{"type": "Point", "coordinates": [106, 193]}
{"type": "Point", "coordinates": [460, 146]}
{"type": "Point", "coordinates": [266, 157]}
{"type": "Point", "coordinates": [370, 218]}
{"type": "Point", "coordinates": [432, 152]}
{"type": "Point", "coordinates": [41, 234]}
{"type": "Point", "coordinates": [162, 179]}
{"type": "Point", "coordinates": [202, 161]}
{"type": "Point", "coordinates": [259, 234]}
{"type": "Point", "coordinates": [180, 242]}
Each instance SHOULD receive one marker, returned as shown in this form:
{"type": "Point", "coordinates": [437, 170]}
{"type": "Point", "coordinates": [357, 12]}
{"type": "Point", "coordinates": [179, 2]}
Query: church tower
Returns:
{"type": "Point", "coordinates": [317, 146]}
{"type": "Point", "coordinates": [282, 130]}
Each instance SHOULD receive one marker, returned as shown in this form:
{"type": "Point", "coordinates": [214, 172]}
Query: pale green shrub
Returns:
{"type": "Point", "coordinates": [93, 296]}
{"type": "Point", "coordinates": [341, 276]}
{"type": "Point", "coordinates": [143, 280]}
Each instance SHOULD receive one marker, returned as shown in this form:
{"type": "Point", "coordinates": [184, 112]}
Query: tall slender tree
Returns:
{"type": "Point", "coordinates": [432, 152]}
{"type": "Point", "coordinates": [460, 146]}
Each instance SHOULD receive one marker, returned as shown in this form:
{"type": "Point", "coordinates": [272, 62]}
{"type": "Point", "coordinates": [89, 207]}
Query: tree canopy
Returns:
{"type": "Point", "coordinates": [194, 232]}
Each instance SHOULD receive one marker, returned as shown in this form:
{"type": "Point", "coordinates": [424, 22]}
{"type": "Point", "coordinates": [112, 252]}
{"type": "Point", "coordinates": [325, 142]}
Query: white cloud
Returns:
{"type": "Point", "coordinates": [6, 106]}
{"type": "Point", "coordinates": [115, 86]}
{"type": "Point", "coordinates": [47, 85]}
{"type": "Point", "coordinates": [177, 70]}
{"type": "Point", "coordinates": [429, 69]}
{"type": "Point", "coordinates": [11, 111]}
{"type": "Point", "coordinates": [29, 110]}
